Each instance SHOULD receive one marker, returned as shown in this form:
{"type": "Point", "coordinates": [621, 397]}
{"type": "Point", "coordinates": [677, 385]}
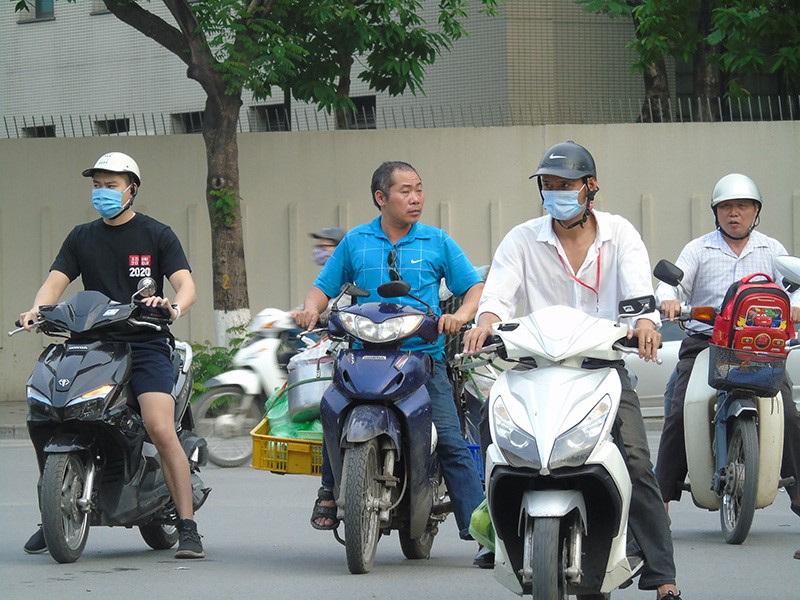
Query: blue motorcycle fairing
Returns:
{"type": "Point", "coordinates": [411, 416]}
{"type": "Point", "coordinates": [378, 312]}
{"type": "Point", "coordinates": [383, 375]}
{"type": "Point", "coordinates": [368, 421]}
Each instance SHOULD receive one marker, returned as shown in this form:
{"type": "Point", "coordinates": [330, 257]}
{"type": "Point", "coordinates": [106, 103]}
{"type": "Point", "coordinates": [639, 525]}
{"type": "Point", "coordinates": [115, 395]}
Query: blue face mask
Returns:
{"type": "Point", "coordinates": [108, 202]}
{"type": "Point", "coordinates": [563, 205]}
{"type": "Point", "coordinates": [321, 255]}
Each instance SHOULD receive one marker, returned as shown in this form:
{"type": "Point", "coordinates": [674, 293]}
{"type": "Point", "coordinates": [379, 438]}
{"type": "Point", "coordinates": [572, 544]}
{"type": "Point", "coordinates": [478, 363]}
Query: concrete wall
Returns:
{"type": "Point", "coordinates": [476, 180]}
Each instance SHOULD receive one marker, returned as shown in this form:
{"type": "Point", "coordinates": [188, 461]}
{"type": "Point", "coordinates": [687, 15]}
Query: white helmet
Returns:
{"type": "Point", "coordinates": [116, 162]}
{"type": "Point", "coordinates": [735, 187]}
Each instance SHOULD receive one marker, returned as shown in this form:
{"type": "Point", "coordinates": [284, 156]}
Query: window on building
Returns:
{"type": "Point", "coordinates": [363, 115]}
{"type": "Point", "coordinates": [271, 117]}
{"type": "Point", "coordinates": [39, 131]}
{"type": "Point", "coordinates": [188, 122]}
{"type": "Point", "coordinates": [44, 9]}
{"type": "Point", "coordinates": [113, 126]}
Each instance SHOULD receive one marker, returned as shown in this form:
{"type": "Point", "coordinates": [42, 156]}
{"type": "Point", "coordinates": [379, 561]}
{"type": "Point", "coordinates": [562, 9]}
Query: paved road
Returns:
{"type": "Point", "coordinates": [260, 545]}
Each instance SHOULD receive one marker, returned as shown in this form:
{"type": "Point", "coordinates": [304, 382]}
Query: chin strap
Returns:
{"type": "Point", "coordinates": [128, 205]}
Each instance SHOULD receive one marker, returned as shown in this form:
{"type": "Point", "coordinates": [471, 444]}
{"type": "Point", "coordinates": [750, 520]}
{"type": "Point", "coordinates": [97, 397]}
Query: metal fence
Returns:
{"type": "Point", "coordinates": [414, 116]}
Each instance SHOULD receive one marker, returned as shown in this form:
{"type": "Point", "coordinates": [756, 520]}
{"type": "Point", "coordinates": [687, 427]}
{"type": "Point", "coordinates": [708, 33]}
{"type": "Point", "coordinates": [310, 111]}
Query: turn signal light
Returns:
{"type": "Point", "coordinates": [704, 314]}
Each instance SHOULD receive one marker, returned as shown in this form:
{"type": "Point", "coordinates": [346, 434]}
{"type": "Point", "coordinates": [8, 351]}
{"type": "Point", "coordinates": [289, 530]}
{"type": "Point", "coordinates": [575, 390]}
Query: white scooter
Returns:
{"type": "Point", "coordinates": [558, 489]}
{"type": "Point", "coordinates": [734, 437]}
{"type": "Point", "coordinates": [233, 403]}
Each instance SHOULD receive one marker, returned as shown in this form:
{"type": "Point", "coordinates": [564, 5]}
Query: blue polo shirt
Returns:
{"type": "Point", "coordinates": [425, 255]}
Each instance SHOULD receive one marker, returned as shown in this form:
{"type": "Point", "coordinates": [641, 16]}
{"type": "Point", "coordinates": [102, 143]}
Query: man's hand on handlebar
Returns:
{"type": "Point", "coordinates": [29, 318]}
{"type": "Point", "coordinates": [649, 339]}
{"type": "Point", "coordinates": [475, 338]}
{"type": "Point", "coordinates": [670, 309]}
{"type": "Point", "coordinates": [305, 318]}
{"type": "Point", "coordinates": [451, 324]}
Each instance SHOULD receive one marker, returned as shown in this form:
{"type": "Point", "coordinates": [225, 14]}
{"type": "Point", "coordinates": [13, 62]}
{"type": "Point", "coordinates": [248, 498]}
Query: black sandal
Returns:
{"type": "Point", "coordinates": [324, 512]}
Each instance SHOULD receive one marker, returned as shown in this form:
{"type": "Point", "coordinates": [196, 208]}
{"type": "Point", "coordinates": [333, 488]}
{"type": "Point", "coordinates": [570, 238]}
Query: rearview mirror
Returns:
{"type": "Point", "coordinates": [668, 273]}
{"type": "Point", "coordinates": [146, 287]}
{"type": "Point", "coordinates": [789, 267]}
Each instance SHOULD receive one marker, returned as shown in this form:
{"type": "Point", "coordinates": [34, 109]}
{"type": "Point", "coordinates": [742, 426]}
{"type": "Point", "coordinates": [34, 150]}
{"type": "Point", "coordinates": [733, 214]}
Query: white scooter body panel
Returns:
{"type": "Point", "coordinates": [244, 378]}
{"type": "Point", "coordinates": [548, 401]}
{"type": "Point", "coordinates": [698, 416]}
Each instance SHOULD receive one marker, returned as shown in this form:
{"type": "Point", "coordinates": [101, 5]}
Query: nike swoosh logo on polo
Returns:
{"type": "Point", "coordinates": [413, 262]}
{"type": "Point", "coordinates": [557, 156]}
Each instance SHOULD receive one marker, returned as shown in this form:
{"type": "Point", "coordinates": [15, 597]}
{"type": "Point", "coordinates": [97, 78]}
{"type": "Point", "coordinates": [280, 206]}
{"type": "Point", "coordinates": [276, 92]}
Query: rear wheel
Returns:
{"type": "Point", "coordinates": [362, 493]}
{"type": "Point", "coordinates": [64, 522]}
{"type": "Point", "coordinates": [159, 537]}
{"type": "Point", "coordinates": [224, 417]}
{"type": "Point", "coordinates": [741, 480]}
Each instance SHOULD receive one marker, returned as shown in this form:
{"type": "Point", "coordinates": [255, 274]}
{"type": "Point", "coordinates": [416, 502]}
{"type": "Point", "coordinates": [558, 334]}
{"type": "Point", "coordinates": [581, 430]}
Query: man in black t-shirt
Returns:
{"type": "Point", "coordinates": [111, 255]}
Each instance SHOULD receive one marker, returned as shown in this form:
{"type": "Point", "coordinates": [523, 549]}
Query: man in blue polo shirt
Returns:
{"type": "Point", "coordinates": [393, 246]}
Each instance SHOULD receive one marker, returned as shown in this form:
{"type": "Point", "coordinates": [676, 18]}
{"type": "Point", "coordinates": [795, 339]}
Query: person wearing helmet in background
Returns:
{"type": "Point", "coordinates": [711, 263]}
{"type": "Point", "coordinates": [325, 242]}
{"type": "Point", "coordinates": [111, 254]}
{"type": "Point", "coordinates": [590, 260]}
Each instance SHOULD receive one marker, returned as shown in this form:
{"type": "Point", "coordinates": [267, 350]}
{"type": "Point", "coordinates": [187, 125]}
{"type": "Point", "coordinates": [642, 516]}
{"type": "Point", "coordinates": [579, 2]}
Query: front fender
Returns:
{"type": "Point", "coordinates": [244, 378]}
{"type": "Point", "coordinates": [742, 406]}
{"type": "Point", "coordinates": [64, 443]}
{"type": "Point", "coordinates": [368, 421]}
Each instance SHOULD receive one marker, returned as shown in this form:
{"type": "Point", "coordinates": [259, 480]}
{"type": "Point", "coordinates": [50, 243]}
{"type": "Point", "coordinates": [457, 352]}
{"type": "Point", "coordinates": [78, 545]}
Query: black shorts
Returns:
{"type": "Point", "coordinates": [151, 369]}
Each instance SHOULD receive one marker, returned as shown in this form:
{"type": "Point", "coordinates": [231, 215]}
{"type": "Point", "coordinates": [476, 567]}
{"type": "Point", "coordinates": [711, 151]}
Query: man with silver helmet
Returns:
{"type": "Point", "coordinates": [711, 263]}
{"type": "Point", "coordinates": [590, 260]}
{"type": "Point", "coordinates": [111, 254]}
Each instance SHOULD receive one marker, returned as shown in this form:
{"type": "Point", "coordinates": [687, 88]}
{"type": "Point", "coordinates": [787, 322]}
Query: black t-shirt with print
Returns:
{"type": "Point", "coordinates": [113, 259]}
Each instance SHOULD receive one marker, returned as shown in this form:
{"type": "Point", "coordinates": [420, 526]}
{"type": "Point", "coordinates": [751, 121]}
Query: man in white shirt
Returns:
{"type": "Point", "coordinates": [590, 260]}
{"type": "Point", "coordinates": [711, 263]}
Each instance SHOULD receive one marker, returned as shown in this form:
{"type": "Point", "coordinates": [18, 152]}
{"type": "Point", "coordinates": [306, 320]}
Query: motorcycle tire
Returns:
{"type": "Point", "coordinates": [159, 537]}
{"type": "Point", "coordinates": [738, 503]}
{"type": "Point", "coordinates": [546, 555]}
{"type": "Point", "coordinates": [224, 417]}
{"type": "Point", "coordinates": [362, 493]}
{"type": "Point", "coordinates": [64, 524]}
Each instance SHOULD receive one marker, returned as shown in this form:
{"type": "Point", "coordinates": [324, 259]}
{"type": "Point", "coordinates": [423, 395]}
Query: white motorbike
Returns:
{"type": "Point", "coordinates": [734, 436]}
{"type": "Point", "coordinates": [557, 485]}
{"type": "Point", "coordinates": [233, 403]}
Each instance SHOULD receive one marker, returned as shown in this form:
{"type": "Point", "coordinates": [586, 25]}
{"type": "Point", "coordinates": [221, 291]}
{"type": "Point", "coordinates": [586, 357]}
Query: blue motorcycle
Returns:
{"type": "Point", "coordinates": [378, 428]}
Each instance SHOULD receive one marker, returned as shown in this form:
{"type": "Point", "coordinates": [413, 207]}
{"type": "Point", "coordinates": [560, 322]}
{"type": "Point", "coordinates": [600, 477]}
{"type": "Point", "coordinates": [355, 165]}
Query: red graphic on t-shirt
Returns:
{"type": "Point", "coordinates": [136, 260]}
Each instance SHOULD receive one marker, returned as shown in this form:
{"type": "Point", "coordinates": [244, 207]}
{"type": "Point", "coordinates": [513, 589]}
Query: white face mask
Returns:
{"type": "Point", "coordinates": [563, 205]}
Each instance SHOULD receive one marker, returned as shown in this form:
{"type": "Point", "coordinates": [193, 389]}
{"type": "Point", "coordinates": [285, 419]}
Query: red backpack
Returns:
{"type": "Point", "coordinates": [754, 317]}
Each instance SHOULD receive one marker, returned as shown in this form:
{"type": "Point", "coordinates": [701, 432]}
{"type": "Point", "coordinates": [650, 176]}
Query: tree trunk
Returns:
{"type": "Point", "coordinates": [656, 94]}
{"type": "Point", "coordinates": [229, 274]}
{"type": "Point", "coordinates": [705, 75]}
{"type": "Point", "coordinates": [656, 88]}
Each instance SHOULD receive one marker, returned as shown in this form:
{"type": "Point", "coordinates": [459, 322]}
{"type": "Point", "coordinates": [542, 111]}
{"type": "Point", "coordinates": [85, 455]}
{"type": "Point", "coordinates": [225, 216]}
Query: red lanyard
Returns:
{"type": "Point", "coordinates": [583, 283]}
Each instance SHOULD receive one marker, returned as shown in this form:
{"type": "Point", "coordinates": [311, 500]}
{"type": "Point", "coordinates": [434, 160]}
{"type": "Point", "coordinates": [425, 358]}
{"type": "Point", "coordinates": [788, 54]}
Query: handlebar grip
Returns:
{"type": "Point", "coordinates": [17, 323]}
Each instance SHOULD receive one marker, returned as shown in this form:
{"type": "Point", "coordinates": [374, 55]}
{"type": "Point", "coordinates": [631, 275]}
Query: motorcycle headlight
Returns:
{"type": "Point", "coordinates": [39, 406]}
{"type": "Point", "coordinates": [88, 406]}
{"type": "Point", "coordinates": [514, 441]}
{"type": "Point", "coordinates": [390, 330]}
{"type": "Point", "coordinates": [573, 447]}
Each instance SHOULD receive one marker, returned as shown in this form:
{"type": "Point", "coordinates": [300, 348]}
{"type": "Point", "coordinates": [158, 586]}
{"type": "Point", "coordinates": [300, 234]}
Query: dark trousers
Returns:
{"type": "Point", "coordinates": [647, 518]}
{"type": "Point", "coordinates": [671, 464]}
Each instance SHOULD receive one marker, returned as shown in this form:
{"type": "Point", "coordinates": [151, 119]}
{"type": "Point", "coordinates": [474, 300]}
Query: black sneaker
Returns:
{"type": "Point", "coordinates": [484, 559]}
{"type": "Point", "coordinates": [189, 544]}
{"type": "Point", "coordinates": [36, 543]}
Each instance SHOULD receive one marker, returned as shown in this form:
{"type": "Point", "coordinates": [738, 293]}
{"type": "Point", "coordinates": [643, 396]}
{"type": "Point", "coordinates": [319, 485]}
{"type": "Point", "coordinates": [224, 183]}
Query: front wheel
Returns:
{"type": "Point", "coordinates": [740, 482]}
{"type": "Point", "coordinates": [543, 558]}
{"type": "Point", "coordinates": [224, 417]}
{"type": "Point", "coordinates": [362, 493]}
{"type": "Point", "coordinates": [65, 523]}
{"type": "Point", "coordinates": [159, 537]}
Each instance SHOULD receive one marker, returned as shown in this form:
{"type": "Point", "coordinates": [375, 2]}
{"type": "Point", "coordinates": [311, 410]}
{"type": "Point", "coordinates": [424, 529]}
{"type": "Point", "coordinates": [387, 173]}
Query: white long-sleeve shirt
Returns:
{"type": "Point", "coordinates": [530, 271]}
{"type": "Point", "coordinates": [710, 266]}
